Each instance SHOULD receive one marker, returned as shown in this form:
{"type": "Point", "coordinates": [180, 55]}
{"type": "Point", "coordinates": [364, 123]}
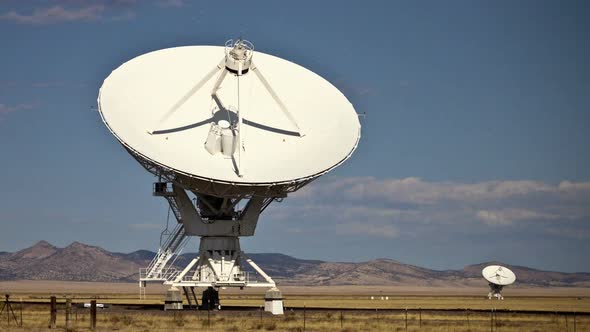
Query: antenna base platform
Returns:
{"type": "Point", "coordinates": [219, 222]}
{"type": "Point", "coordinates": [495, 291]}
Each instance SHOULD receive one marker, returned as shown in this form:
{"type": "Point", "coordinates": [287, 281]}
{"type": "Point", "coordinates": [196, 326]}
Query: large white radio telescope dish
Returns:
{"type": "Point", "coordinates": [287, 124]}
{"type": "Point", "coordinates": [227, 131]}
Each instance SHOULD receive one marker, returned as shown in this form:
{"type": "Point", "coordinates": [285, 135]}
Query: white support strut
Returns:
{"type": "Point", "coordinates": [276, 98]}
{"type": "Point", "coordinates": [180, 277]}
{"type": "Point", "coordinates": [187, 95]}
{"type": "Point", "coordinates": [259, 270]}
{"type": "Point", "coordinates": [240, 133]}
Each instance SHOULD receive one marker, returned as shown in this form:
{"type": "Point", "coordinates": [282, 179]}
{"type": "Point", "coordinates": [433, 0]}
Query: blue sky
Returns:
{"type": "Point", "coordinates": [474, 148]}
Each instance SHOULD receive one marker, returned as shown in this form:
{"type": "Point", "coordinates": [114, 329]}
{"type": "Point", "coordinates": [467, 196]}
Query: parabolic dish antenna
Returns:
{"type": "Point", "coordinates": [276, 124]}
{"type": "Point", "coordinates": [227, 131]}
{"type": "Point", "coordinates": [498, 277]}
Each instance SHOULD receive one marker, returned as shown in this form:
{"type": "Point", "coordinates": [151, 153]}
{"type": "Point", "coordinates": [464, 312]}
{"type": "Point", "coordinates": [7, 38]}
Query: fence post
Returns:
{"type": "Point", "coordinates": [574, 321]}
{"type": "Point", "coordinates": [93, 314]}
{"type": "Point", "coordinates": [341, 320]}
{"type": "Point", "coordinates": [53, 312]}
{"type": "Point", "coordinates": [304, 317]}
{"type": "Point", "coordinates": [420, 317]}
{"type": "Point", "coordinates": [68, 312]}
{"type": "Point", "coordinates": [495, 319]}
{"type": "Point", "coordinates": [468, 322]}
{"type": "Point", "coordinates": [21, 312]}
{"type": "Point", "coordinates": [406, 318]}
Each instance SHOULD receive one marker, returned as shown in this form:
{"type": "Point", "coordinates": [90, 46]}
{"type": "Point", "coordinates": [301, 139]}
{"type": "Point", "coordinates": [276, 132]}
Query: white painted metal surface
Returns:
{"type": "Point", "coordinates": [157, 89]}
{"type": "Point", "coordinates": [498, 275]}
{"type": "Point", "coordinates": [275, 307]}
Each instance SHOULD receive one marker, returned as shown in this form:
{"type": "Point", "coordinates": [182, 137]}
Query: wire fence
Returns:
{"type": "Point", "coordinates": [38, 317]}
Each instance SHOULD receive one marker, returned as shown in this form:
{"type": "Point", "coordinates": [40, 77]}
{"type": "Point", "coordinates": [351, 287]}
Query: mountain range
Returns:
{"type": "Point", "coordinates": [81, 262]}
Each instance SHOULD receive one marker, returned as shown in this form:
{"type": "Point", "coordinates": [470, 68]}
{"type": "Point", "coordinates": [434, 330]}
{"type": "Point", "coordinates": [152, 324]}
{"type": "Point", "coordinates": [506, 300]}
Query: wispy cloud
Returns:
{"type": "Point", "coordinates": [5, 109]}
{"type": "Point", "coordinates": [172, 3]}
{"type": "Point", "coordinates": [124, 17]}
{"type": "Point", "coordinates": [48, 84]}
{"type": "Point", "coordinates": [569, 232]}
{"type": "Point", "coordinates": [55, 14]}
{"type": "Point", "coordinates": [63, 11]}
{"type": "Point", "coordinates": [56, 84]}
{"type": "Point", "coordinates": [8, 84]}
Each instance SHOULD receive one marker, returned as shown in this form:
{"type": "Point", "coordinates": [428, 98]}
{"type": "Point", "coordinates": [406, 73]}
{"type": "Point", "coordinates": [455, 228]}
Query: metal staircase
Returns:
{"type": "Point", "coordinates": [171, 247]}
{"type": "Point", "coordinates": [174, 207]}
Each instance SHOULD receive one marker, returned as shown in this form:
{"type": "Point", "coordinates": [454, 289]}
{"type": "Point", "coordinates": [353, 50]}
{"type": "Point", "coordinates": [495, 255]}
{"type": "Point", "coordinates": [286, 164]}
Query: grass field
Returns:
{"type": "Point", "coordinates": [327, 309]}
{"type": "Point", "coordinates": [36, 318]}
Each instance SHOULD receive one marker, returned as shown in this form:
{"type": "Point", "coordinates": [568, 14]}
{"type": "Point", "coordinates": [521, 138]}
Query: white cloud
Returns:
{"type": "Point", "coordinates": [404, 204]}
{"type": "Point", "coordinates": [492, 218]}
{"type": "Point", "coordinates": [368, 229]}
{"type": "Point", "coordinates": [571, 186]}
{"type": "Point", "coordinates": [416, 191]}
{"type": "Point", "coordinates": [507, 216]}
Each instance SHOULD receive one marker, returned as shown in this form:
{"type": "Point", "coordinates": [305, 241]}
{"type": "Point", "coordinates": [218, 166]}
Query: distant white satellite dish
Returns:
{"type": "Point", "coordinates": [498, 277]}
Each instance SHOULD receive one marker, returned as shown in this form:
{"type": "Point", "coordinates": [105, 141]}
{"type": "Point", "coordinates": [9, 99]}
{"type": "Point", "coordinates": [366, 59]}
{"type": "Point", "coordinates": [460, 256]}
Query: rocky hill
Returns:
{"type": "Point", "coordinates": [77, 261]}
{"type": "Point", "coordinates": [80, 262]}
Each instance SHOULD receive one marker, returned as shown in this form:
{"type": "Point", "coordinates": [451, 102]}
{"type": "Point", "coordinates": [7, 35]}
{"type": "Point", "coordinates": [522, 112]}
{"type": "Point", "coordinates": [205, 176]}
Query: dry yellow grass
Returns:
{"type": "Point", "coordinates": [380, 315]}
{"type": "Point", "coordinates": [36, 318]}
